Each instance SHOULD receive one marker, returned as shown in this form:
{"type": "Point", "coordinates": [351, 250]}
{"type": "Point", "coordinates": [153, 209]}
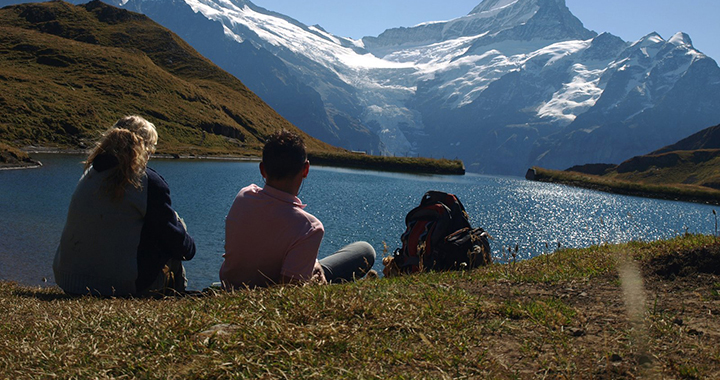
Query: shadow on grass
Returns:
{"type": "Point", "coordinates": [681, 264]}
{"type": "Point", "coordinates": [42, 294]}
{"type": "Point", "coordinates": [54, 294]}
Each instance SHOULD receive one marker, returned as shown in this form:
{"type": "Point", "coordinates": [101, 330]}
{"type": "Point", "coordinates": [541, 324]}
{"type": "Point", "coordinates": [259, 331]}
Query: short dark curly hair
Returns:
{"type": "Point", "coordinates": [284, 155]}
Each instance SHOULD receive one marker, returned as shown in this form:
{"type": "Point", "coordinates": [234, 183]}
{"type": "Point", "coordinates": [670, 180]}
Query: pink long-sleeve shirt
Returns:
{"type": "Point", "coordinates": [268, 235]}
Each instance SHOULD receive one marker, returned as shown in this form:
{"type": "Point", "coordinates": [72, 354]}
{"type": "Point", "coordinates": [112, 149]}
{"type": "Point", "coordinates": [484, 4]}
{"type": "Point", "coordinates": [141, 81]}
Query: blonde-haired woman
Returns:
{"type": "Point", "coordinates": [122, 236]}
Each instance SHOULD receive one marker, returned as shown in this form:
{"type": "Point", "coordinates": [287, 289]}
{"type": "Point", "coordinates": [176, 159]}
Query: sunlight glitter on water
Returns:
{"type": "Point", "coordinates": [353, 205]}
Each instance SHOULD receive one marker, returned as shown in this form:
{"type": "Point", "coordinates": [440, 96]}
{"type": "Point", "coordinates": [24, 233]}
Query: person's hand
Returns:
{"type": "Point", "coordinates": [318, 275]}
{"type": "Point", "coordinates": [180, 220]}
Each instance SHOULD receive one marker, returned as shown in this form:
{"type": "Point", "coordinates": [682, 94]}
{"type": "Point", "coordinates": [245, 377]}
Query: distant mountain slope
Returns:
{"type": "Point", "coordinates": [706, 139]}
{"type": "Point", "coordinates": [694, 161]}
{"type": "Point", "coordinates": [68, 72]}
{"type": "Point", "coordinates": [513, 83]}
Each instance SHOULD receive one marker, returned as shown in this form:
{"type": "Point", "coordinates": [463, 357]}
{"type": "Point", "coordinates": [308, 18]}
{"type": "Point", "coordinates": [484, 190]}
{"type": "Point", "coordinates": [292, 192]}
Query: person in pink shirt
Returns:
{"type": "Point", "coordinates": [270, 238]}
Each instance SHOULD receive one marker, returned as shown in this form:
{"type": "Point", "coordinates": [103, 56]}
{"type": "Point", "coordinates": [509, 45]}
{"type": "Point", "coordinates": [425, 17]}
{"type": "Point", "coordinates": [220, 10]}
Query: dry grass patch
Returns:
{"type": "Point", "coordinates": [560, 316]}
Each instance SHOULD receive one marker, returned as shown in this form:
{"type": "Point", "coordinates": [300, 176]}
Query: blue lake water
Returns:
{"type": "Point", "coordinates": [352, 204]}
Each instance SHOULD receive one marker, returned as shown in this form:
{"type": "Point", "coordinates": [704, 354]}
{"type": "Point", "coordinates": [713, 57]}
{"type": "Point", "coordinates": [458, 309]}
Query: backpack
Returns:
{"type": "Point", "coordinates": [438, 236]}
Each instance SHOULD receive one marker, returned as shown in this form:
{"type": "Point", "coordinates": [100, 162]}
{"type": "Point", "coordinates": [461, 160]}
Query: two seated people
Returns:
{"type": "Point", "coordinates": [122, 236]}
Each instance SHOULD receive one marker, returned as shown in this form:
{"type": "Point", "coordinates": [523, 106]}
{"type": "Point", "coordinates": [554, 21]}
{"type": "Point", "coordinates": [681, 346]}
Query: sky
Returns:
{"type": "Point", "coordinates": [628, 19]}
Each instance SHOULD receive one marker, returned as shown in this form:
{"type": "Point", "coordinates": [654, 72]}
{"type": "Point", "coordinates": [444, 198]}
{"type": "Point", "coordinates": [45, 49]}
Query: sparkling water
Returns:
{"type": "Point", "coordinates": [352, 204]}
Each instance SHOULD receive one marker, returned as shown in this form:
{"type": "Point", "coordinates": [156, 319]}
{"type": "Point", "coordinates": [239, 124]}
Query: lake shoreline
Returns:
{"type": "Point", "coordinates": [12, 159]}
{"type": "Point", "coordinates": [671, 192]}
{"type": "Point", "coordinates": [349, 160]}
{"type": "Point", "coordinates": [598, 312]}
{"type": "Point", "coordinates": [36, 165]}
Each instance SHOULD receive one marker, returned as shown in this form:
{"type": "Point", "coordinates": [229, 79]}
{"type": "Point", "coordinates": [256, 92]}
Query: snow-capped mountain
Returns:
{"type": "Point", "coordinates": [491, 21]}
{"type": "Point", "coordinates": [511, 84]}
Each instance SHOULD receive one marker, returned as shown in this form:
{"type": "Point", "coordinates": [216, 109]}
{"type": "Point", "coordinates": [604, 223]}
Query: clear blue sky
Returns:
{"type": "Point", "coordinates": [628, 19]}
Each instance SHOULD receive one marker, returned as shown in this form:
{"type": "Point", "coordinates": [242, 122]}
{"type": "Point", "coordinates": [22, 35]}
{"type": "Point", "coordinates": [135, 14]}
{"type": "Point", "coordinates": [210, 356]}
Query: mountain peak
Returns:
{"type": "Point", "coordinates": [497, 20]}
{"type": "Point", "coordinates": [681, 39]}
{"type": "Point", "coordinates": [492, 7]}
{"type": "Point", "coordinates": [488, 6]}
{"type": "Point", "coordinates": [651, 39]}
{"type": "Point", "coordinates": [653, 36]}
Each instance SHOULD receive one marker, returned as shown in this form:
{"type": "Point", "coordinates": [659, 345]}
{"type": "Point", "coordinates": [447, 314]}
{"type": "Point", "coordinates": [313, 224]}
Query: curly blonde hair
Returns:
{"type": "Point", "coordinates": [131, 141]}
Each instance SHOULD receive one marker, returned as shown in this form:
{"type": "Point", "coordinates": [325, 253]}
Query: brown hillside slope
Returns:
{"type": "Point", "coordinates": [706, 139]}
{"type": "Point", "coordinates": [688, 170]}
{"type": "Point", "coordinates": [693, 167]}
{"type": "Point", "coordinates": [68, 72]}
{"type": "Point", "coordinates": [694, 160]}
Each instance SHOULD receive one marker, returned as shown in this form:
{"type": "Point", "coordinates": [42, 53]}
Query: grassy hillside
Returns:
{"type": "Point", "coordinates": [694, 160]}
{"type": "Point", "coordinates": [706, 139]}
{"type": "Point", "coordinates": [693, 167]}
{"type": "Point", "coordinates": [688, 170]}
{"type": "Point", "coordinates": [68, 72]}
{"type": "Point", "coordinates": [636, 310]}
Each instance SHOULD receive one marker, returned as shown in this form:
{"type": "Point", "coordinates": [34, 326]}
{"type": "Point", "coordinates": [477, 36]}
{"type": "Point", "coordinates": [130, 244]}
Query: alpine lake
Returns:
{"type": "Point", "coordinates": [537, 218]}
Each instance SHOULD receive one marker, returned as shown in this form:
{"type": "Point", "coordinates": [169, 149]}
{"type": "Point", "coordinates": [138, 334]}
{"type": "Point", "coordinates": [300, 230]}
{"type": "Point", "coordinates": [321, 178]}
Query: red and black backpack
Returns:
{"type": "Point", "coordinates": [438, 236]}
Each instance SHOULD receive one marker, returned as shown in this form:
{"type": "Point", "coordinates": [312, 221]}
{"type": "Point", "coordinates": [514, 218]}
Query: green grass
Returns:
{"type": "Point", "coordinates": [694, 167]}
{"type": "Point", "coordinates": [15, 158]}
{"type": "Point", "coordinates": [672, 191]}
{"type": "Point", "coordinates": [10, 155]}
{"type": "Point", "coordinates": [558, 316]}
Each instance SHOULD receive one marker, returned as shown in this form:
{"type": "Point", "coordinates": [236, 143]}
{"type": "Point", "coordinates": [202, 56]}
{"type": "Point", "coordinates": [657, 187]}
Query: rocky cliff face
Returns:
{"type": "Point", "coordinates": [494, 20]}
{"type": "Point", "coordinates": [656, 92]}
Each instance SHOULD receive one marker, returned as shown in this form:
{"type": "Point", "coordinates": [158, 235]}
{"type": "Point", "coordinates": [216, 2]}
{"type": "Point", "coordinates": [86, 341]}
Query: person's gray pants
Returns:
{"type": "Point", "coordinates": [350, 263]}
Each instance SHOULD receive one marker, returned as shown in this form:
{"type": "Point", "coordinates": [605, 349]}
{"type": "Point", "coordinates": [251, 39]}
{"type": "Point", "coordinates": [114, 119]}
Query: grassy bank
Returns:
{"type": "Point", "coordinates": [570, 314]}
{"type": "Point", "coordinates": [679, 192]}
{"type": "Point", "coordinates": [418, 165]}
{"type": "Point", "coordinates": [14, 158]}
{"type": "Point", "coordinates": [351, 160]}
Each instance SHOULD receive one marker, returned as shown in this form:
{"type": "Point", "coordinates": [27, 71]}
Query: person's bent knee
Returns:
{"type": "Point", "coordinates": [367, 252]}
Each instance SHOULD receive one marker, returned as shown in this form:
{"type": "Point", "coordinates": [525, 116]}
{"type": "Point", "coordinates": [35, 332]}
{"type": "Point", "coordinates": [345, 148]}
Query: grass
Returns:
{"type": "Point", "coordinates": [672, 191]}
{"type": "Point", "coordinates": [68, 72]}
{"type": "Point", "coordinates": [560, 316]}
{"type": "Point", "coordinates": [695, 167]}
{"type": "Point", "coordinates": [396, 164]}
{"type": "Point", "coordinates": [11, 157]}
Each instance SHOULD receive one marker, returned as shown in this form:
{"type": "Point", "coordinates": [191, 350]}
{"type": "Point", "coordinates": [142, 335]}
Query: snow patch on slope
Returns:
{"type": "Point", "coordinates": [320, 45]}
{"type": "Point", "coordinates": [575, 97]}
